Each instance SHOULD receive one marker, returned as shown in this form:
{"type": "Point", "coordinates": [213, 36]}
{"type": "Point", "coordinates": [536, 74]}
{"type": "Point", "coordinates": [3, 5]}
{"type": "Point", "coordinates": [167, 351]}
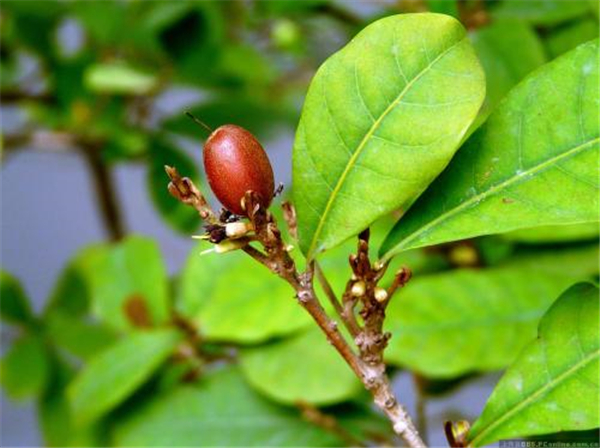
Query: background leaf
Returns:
{"type": "Point", "coordinates": [118, 371]}
{"type": "Point", "coordinates": [55, 416]}
{"type": "Point", "coordinates": [220, 410]}
{"type": "Point", "coordinates": [381, 119]}
{"type": "Point", "coordinates": [448, 324]}
{"type": "Point", "coordinates": [77, 336]}
{"type": "Point", "coordinates": [14, 306]}
{"type": "Point", "coordinates": [71, 293]}
{"type": "Point", "coordinates": [118, 78]}
{"type": "Point", "coordinates": [555, 234]}
{"type": "Point", "coordinates": [571, 35]}
{"type": "Point", "coordinates": [508, 51]}
{"type": "Point", "coordinates": [24, 369]}
{"type": "Point", "coordinates": [181, 217]}
{"type": "Point", "coordinates": [533, 163]}
{"type": "Point", "coordinates": [449, 7]}
{"type": "Point", "coordinates": [303, 367]}
{"type": "Point", "coordinates": [546, 12]}
{"type": "Point", "coordinates": [233, 298]}
{"type": "Point", "coordinates": [130, 270]}
{"type": "Point", "coordinates": [553, 385]}
{"type": "Point", "coordinates": [259, 117]}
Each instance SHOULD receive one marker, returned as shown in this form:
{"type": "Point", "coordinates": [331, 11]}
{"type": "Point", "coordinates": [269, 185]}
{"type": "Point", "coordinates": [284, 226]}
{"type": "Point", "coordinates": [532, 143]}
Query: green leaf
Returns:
{"type": "Point", "coordinates": [181, 217]}
{"type": "Point", "coordinates": [576, 263]}
{"type": "Point", "coordinates": [130, 270]}
{"type": "Point", "coordinates": [243, 63]}
{"type": "Point", "coordinates": [55, 420]}
{"type": "Point", "coordinates": [77, 336]}
{"type": "Point", "coordinates": [104, 23]}
{"type": "Point", "coordinates": [54, 413]}
{"type": "Point", "coordinates": [193, 41]}
{"type": "Point", "coordinates": [533, 163]}
{"type": "Point", "coordinates": [553, 385]}
{"type": "Point", "coordinates": [221, 410]}
{"type": "Point", "coordinates": [233, 298]}
{"type": "Point", "coordinates": [53, 408]}
{"type": "Point", "coordinates": [34, 25]}
{"type": "Point", "coordinates": [381, 119]}
{"type": "Point", "coordinates": [260, 117]}
{"type": "Point", "coordinates": [14, 306]}
{"type": "Point", "coordinates": [71, 293]}
{"type": "Point", "coordinates": [508, 51]}
{"type": "Point", "coordinates": [25, 369]}
{"type": "Point", "coordinates": [448, 324]}
{"type": "Point", "coordinates": [555, 234]}
{"type": "Point", "coordinates": [568, 37]}
{"type": "Point", "coordinates": [449, 7]}
{"type": "Point", "coordinates": [118, 78]}
{"type": "Point", "coordinates": [117, 372]}
{"type": "Point", "coordinates": [360, 419]}
{"type": "Point", "coordinates": [324, 378]}
{"type": "Point", "coordinates": [125, 145]}
{"type": "Point", "coordinates": [546, 12]}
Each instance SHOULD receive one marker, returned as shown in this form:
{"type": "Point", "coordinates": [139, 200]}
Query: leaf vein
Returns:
{"type": "Point", "coordinates": [368, 135]}
{"type": "Point", "coordinates": [537, 394]}
{"type": "Point", "coordinates": [499, 187]}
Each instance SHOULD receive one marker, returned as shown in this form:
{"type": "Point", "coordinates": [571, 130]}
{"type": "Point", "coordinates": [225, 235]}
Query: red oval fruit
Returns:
{"type": "Point", "coordinates": [235, 162]}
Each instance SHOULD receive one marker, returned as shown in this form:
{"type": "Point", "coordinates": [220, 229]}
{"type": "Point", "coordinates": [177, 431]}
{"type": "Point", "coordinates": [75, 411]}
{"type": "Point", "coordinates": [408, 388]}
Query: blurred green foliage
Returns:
{"type": "Point", "coordinates": [124, 355]}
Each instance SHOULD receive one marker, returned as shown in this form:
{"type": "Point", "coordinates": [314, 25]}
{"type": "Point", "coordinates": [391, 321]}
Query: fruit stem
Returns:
{"type": "Point", "coordinates": [199, 122]}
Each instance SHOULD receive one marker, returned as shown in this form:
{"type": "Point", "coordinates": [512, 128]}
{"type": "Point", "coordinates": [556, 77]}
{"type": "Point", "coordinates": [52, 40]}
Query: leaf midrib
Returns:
{"type": "Point", "coordinates": [367, 137]}
{"type": "Point", "coordinates": [531, 398]}
{"type": "Point", "coordinates": [523, 176]}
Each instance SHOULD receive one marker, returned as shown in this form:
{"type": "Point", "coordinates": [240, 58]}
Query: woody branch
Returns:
{"type": "Point", "coordinates": [370, 339]}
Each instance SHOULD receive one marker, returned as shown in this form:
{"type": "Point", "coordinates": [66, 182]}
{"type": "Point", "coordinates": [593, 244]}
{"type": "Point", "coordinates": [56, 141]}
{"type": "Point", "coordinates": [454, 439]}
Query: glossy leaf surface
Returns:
{"type": "Point", "coordinates": [554, 383]}
{"type": "Point", "coordinates": [382, 118]}
{"type": "Point", "coordinates": [448, 324]}
{"type": "Point", "coordinates": [534, 162]}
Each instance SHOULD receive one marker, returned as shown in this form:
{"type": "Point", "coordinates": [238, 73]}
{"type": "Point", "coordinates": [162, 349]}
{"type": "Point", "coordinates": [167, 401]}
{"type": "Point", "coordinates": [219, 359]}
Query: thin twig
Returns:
{"type": "Point", "coordinates": [403, 275]}
{"type": "Point", "coordinates": [105, 192]}
{"type": "Point", "coordinates": [257, 255]}
{"type": "Point", "coordinates": [349, 301]}
{"type": "Point", "coordinates": [368, 364]}
{"type": "Point", "coordinates": [184, 189]}
{"type": "Point", "coordinates": [328, 290]}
